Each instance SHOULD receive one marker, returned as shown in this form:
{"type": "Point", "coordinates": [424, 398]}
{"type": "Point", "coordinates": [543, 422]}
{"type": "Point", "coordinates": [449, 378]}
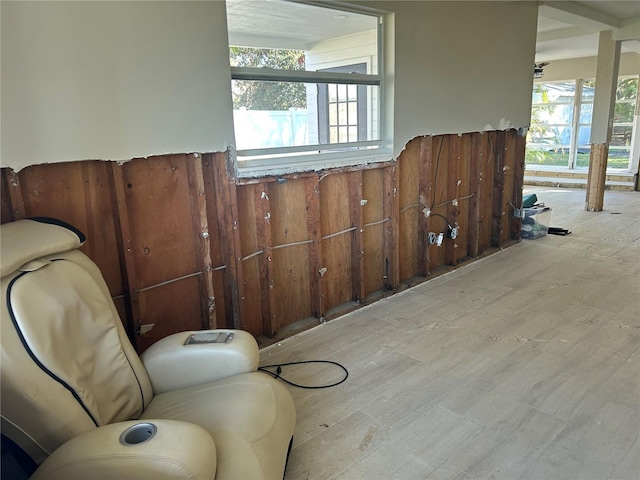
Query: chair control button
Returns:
{"type": "Point", "coordinates": [209, 337]}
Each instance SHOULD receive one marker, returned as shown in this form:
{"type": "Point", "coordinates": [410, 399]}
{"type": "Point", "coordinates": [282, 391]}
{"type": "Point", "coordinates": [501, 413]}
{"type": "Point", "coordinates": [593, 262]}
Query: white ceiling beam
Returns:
{"type": "Point", "coordinates": [628, 32]}
{"type": "Point", "coordinates": [578, 15]}
{"type": "Point", "coordinates": [562, 33]}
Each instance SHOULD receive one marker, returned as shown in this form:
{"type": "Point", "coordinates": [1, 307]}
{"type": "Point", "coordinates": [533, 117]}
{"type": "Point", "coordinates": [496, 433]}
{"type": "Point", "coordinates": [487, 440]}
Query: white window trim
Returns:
{"type": "Point", "coordinates": [275, 165]}
{"type": "Point", "coordinates": [303, 76]}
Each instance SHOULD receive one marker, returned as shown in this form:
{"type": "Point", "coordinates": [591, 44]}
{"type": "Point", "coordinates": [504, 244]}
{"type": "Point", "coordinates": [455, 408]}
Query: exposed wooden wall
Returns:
{"type": "Point", "coordinates": [185, 245]}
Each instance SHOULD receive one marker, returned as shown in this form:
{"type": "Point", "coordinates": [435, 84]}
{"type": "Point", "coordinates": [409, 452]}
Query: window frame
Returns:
{"type": "Point", "coordinates": [291, 159]}
{"type": "Point", "coordinates": [571, 124]}
{"type": "Point", "coordinates": [324, 107]}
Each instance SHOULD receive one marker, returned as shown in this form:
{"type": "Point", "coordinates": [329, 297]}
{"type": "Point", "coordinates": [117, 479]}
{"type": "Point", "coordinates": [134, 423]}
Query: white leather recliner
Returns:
{"type": "Point", "coordinates": [78, 399]}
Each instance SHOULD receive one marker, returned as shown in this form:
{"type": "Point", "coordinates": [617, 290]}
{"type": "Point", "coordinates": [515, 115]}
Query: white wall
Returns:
{"type": "Point", "coordinates": [113, 80]}
{"type": "Point", "coordinates": [118, 80]}
{"type": "Point", "coordinates": [461, 66]}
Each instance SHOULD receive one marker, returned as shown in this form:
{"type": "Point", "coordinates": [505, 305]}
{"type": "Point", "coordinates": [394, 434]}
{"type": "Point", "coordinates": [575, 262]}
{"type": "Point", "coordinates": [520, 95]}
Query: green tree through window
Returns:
{"type": "Point", "coordinates": [267, 95]}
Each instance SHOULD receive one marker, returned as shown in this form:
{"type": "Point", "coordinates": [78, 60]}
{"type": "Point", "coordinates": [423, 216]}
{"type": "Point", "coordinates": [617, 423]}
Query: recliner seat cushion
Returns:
{"type": "Point", "coordinates": [245, 414]}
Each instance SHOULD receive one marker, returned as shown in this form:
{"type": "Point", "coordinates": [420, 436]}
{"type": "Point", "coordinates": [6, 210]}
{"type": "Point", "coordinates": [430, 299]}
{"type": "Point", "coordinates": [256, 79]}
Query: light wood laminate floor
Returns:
{"type": "Point", "coordinates": [525, 364]}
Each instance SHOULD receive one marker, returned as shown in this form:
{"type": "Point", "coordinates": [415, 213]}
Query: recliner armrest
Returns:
{"type": "Point", "coordinates": [172, 365]}
{"type": "Point", "coordinates": [177, 450]}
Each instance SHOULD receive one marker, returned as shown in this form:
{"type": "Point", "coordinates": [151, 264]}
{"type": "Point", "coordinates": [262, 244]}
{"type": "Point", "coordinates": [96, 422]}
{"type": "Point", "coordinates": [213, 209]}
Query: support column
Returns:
{"type": "Point", "coordinates": [602, 120]}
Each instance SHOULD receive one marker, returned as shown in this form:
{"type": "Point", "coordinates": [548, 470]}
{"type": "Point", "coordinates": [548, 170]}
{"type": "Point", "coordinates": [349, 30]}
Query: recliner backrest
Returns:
{"type": "Point", "coordinates": [67, 365]}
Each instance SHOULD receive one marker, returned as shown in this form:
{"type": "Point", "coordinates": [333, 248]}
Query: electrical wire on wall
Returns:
{"type": "Point", "coordinates": [428, 211]}
{"type": "Point", "coordinates": [435, 176]}
{"type": "Point", "coordinates": [443, 217]}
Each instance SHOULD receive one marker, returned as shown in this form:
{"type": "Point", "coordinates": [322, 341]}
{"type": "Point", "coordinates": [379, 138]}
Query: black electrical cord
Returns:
{"type": "Point", "coordinates": [443, 217]}
{"type": "Point", "coordinates": [279, 366]}
{"type": "Point", "coordinates": [435, 176]}
{"type": "Point", "coordinates": [435, 181]}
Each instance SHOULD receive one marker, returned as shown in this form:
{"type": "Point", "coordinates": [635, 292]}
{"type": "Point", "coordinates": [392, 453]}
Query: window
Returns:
{"type": "Point", "coordinates": [550, 134]}
{"type": "Point", "coordinates": [560, 131]}
{"type": "Point", "coordinates": [342, 109]}
{"type": "Point", "coordinates": [306, 84]}
{"type": "Point", "coordinates": [623, 119]}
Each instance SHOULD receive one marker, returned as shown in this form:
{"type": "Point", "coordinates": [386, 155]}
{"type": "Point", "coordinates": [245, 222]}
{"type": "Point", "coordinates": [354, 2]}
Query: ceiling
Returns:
{"type": "Point", "coordinates": [569, 29]}
{"type": "Point", "coordinates": [287, 24]}
{"type": "Point", "coordinates": [566, 29]}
